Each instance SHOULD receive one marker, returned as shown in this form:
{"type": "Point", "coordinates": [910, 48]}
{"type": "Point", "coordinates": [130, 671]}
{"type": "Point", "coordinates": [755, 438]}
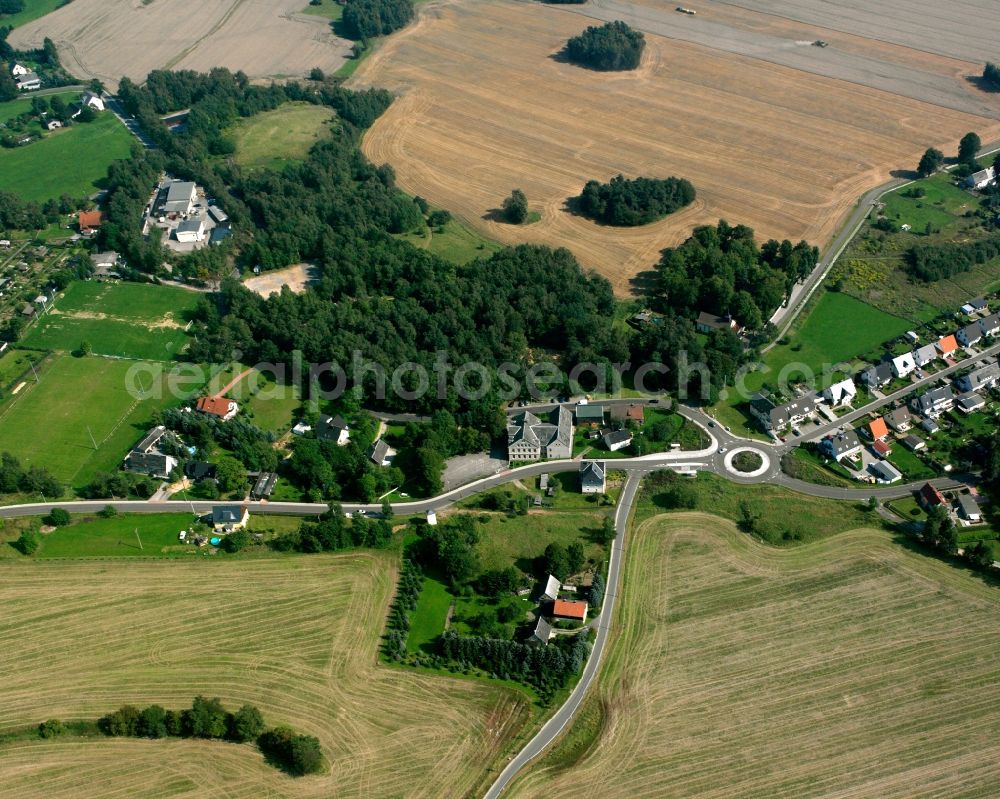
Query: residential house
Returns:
{"type": "Point", "coordinates": [151, 440]}
{"type": "Point", "coordinates": [982, 379]}
{"type": "Point", "coordinates": [380, 453]}
{"type": "Point", "coordinates": [593, 479]}
{"type": "Point", "coordinates": [990, 325]}
{"type": "Point", "coordinates": [53, 124]}
{"type": "Point", "coordinates": [980, 179]}
{"type": "Point", "coordinates": [199, 470]}
{"type": "Point", "coordinates": [970, 403]}
{"type": "Point", "coordinates": [934, 402]}
{"type": "Point", "coordinates": [914, 444]}
{"type": "Point", "coordinates": [878, 429]}
{"type": "Point", "coordinates": [229, 518]}
{"type": "Point", "coordinates": [969, 335]}
{"type": "Point", "coordinates": [154, 464]}
{"type": "Point", "coordinates": [974, 306]}
{"type": "Point", "coordinates": [590, 415]}
{"type": "Point", "coordinates": [333, 428]}
{"type": "Point", "coordinates": [190, 231]}
{"type": "Point", "coordinates": [263, 487]}
{"type": "Point", "coordinates": [89, 221]}
{"type": "Point", "coordinates": [531, 437]}
{"type": "Point", "coordinates": [774, 418]}
{"type": "Point", "coordinates": [633, 412]}
{"type": "Point", "coordinates": [550, 592]}
{"type": "Point", "coordinates": [929, 496]}
{"type": "Point", "coordinates": [542, 632]}
{"type": "Point", "coordinates": [947, 346]}
{"type": "Point", "coordinates": [925, 355]}
{"type": "Point", "coordinates": [899, 419]}
{"type": "Point", "coordinates": [842, 393]}
{"type": "Point", "coordinates": [574, 609]}
{"type": "Point", "coordinates": [91, 100]}
{"type": "Point", "coordinates": [884, 472]}
{"type": "Point", "coordinates": [301, 428]}
{"type": "Point", "coordinates": [968, 508]}
{"type": "Point", "coordinates": [27, 309]}
{"type": "Point", "coordinates": [841, 445]}
{"type": "Point", "coordinates": [707, 322]}
{"type": "Point", "coordinates": [219, 407]}
{"type": "Point", "coordinates": [903, 365]}
{"type": "Point", "coordinates": [105, 264]}
{"type": "Point", "coordinates": [180, 197]}
{"type": "Point", "coordinates": [878, 375]}
{"type": "Point", "coordinates": [617, 439]}
{"type": "Point", "coordinates": [18, 70]}
{"type": "Point", "coordinates": [28, 82]}
{"type": "Point", "coordinates": [881, 449]}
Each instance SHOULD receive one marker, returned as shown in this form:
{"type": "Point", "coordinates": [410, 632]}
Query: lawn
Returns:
{"type": "Point", "coordinates": [782, 517]}
{"type": "Point", "coordinates": [428, 619]}
{"type": "Point", "coordinates": [910, 465]}
{"type": "Point", "coordinates": [942, 204]}
{"type": "Point", "coordinates": [842, 668]}
{"type": "Point", "coordinates": [33, 9]}
{"type": "Point", "coordinates": [14, 363]}
{"type": "Point", "coordinates": [297, 636]}
{"type": "Point", "coordinates": [279, 137]}
{"type": "Point", "coordinates": [71, 161]}
{"type": "Point", "coordinates": [128, 320]}
{"type": "Point", "coordinates": [455, 242]}
{"type": "Point", "coordinates": [270, 405]}
{"type": "Point", "coordinates": [329, 9]}
{"type": "Point", "coordinates": [519, 540]}
{"type": "Point", "coordinates": [50, 423]}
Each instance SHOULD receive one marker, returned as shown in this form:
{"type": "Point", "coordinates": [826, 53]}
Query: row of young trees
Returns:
{"type": "Point", "coordinates": [627, 203]}
{"type": "Point", "coordinates": [610, 47]}
{"type": "Point", "coordinates": [207, 718]}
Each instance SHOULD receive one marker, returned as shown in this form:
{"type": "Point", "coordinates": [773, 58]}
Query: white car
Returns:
{"type": "Point", "coordinates": [722, 450]}
{"type": "Point", "coordinates": [182, 535]}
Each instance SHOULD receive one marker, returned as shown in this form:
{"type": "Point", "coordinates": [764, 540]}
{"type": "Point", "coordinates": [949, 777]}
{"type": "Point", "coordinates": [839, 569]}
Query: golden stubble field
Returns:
{"type": "Point", "coordinates": [108, 39]}
{"type": "Point", "coordinates": [846, 668]}
{"type": "Point", "coordinates": [295, 636]}
{"type": "Point", "coordinates": [485, 107]}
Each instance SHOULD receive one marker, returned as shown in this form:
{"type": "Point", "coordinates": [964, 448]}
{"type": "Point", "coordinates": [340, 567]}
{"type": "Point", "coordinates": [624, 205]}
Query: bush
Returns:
{"type": "Point", "coordinates": [27, 543]}
{"type": "Point", "coordinates": [51, 728]}
{"type": "Point", "coordinates": [152, 722]}
{"type": "Point", "coordinates": [297, 754]}
{"type": "Point", "coordinates": [58, 517]}
{"type": "Point", "coordinates": [235, 542]}
{"type": "Point", "coordinates": [246, 724]}
{"type": "Point", "coordinates": [108, 512]}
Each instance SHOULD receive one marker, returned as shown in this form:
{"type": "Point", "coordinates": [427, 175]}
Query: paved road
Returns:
{"type": "Point", "coordinates": [564, 715]}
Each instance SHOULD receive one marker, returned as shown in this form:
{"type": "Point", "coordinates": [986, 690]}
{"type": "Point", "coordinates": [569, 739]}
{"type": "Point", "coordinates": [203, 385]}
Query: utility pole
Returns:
{"type": "Point", "coordinates": [137, 537]}
{"type": "Point", "coordinates": [92, 441]}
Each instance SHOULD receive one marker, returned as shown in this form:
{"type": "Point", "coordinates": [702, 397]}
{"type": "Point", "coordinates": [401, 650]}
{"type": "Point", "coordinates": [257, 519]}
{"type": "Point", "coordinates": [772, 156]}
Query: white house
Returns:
{"type": "Point", "coordinates": [841, 445]}
{"type": "Point", "coordinates": [981, 379]}
{"type": "Point", "coordinates": [884, 472]}
{"type": "Point", "coordinates": [18, 70]}
{"type": "Point", "coordinates": [619, 439]}
{"type": "Point", "coordinates": [925, 355]}
{"type": "Point", "coordinates": [28, 82]}
{"type": "Point", "coordinates": [181, 195]}
{"type": "Point", "coordinates": [52, 124]}
{"type": "Point", "coordinates": [980, 179]}
{"type": "Point", "coordinates": [592, 478]}
{"type": "Point", "coordinates": [333, 428]}
{"type": "Point", "coordinates": [92, 100]}
{"type": "Point", "coordinates": [903, 365]}
{"type": "Point", "coordinates": [190, 231]}
{"type": "Point", "coordinates": [551, 590]}
{"type": "Point", "coordinates": [990, 325]}
{"type": "Point", "coordinates": [934, 402]}
{"type": "Point", "coordinates": [842, 393]}
{"type": "Point", "coordinates": [301, 428]}
{"type": "Point", "coordinates": [970, 334]}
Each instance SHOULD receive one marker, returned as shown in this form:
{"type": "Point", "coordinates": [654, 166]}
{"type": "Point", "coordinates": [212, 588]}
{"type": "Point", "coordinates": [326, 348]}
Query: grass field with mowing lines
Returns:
{"type": "Point", "coordinates": [14, 363]}
{"type": "Point", "coordinates": [282, 136]}
{"type": "Point", "coordinates": [46, 423]}
{"type": "Point", "coordinates": [296, 636]}
{"type": "Point", "coordinates": [72, 161]}
{"type": "Point", "coordinates": [850, 667]}
{"type": "Point", "coordinates": [128, 320]}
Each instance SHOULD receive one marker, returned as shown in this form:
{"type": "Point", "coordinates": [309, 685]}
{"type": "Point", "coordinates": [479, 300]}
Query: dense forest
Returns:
{"type": "Point", "coordinates": [627, 203]}
{"type": "Point", "coordinates": [611, 47]}
{"type": "Point", "coordinates": [366, 19]}
{"type": "Point", "coordinates": [721, 270]}
{"type": "Point", "coordinates": [930, 262]}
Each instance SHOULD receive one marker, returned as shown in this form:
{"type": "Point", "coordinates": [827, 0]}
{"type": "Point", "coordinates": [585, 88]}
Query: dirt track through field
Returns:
{"type": "Point", "coordinates": [485, 107]}
{"type": "Point", "coordinates": [296, 637]}
{"type": "Point", "coordinates": [847, 668]}
{"type": "Point", "coordinates": [107, 39]}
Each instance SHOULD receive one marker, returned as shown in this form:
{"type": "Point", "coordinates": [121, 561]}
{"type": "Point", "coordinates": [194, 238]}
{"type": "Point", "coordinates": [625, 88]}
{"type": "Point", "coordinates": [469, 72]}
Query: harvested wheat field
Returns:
{"type": "Point", "coordinates": [295, 636]}
{"type": "Point", "coordinates": [108, 39]}
{"type": "Point", "coordinates": [485, 107]}
{"type": "Point", "coordinates": [846, 668]}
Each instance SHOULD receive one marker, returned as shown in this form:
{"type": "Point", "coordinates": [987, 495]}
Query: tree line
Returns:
{"type": "Point", "coordinates": [931, 262]}
{"type": "Point", "coordinates": [627, 203]}
{"type": "Point", "coordinates": [366, 19]}
{"type": "Point", "coordinates": [610, 47]}
{"type": "Point", "coordinates": [207, 718]}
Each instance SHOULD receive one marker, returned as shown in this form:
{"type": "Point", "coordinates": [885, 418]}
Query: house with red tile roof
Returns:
{"type": "Point", "coordinates": [575, 609]}
{"type": "Point", "coordinates": [220, 407]}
